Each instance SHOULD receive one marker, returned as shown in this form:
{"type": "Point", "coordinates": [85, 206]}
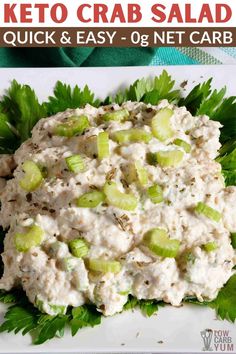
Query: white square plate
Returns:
{"type": "Point", "coordinates": [173, 330]}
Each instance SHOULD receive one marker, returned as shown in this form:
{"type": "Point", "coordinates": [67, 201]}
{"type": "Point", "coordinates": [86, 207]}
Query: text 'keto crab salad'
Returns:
{"type": "Point", "coordinates": [115, 201]}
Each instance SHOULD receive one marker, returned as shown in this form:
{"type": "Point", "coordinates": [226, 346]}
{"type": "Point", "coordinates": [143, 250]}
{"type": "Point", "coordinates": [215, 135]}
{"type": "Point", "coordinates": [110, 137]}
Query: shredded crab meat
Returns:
{"type": "Point", "coordinates": [113, 234]}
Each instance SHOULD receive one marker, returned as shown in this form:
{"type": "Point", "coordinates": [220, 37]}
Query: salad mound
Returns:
{"type": "Point", "coordinates": [116, 201]}
{"type": "Point", "coordinates": [115, 205]}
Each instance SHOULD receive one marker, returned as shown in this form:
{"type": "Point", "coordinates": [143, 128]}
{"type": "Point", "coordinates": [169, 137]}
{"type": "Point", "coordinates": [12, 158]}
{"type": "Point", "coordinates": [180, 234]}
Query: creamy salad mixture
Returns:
{"type": "Point", "coordinates": [144, 213]}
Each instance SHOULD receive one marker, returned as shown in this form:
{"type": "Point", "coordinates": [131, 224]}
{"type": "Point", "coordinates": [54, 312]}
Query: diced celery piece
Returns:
{"type": "Point", "coordinates": [90, 199]}
{"type": "Point", "coordinates": [120, 115]}
{"type": "Point", "coordinates": [161, 125]}
{"type": "Point", "coordinates": [155, 193]}
{"type": "Point", "coordinates": [183, 144]}
{"type": "Point", "coordinates": [78, 248]}
{"type": "Point", "coordinates": [131, 136]}
{"type": "Point", "coordinates": [33, 176]}
{"type": "Point", "coordinates": [118, 199]}
{"type": "Point", "coordinates": [158, 241]}
{"type": "Point", "coordinates": [55, 309]}
{"type": "Point", "coordinates": [103, 145]}
{"type": "Point", "coordinates": [75, 163]}
{"type": "Point", "coordinates": [210, 246]}
{"type": "Point", "coordinates": [207, 211]}
{"type": "Point", "coordinates": [103, 266]}
{"type": "Point", "coordinates": [74, 126]}
{"type": "Point", "coordinates": [33, 238]}
{"type": "Point", "coordinates": [141, 173]}
{"type": "Point", "coordinates": [169, 158]}
{"type": "Point", "coordinates": [58, 309]}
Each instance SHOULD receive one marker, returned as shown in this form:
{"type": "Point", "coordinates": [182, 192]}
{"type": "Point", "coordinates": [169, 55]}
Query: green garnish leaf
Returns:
{"type": "Point", "coordinates": [195, 301]}
{"type": "Point", "coordinates": [227, 148]}
{"type": "Point", "coordinates": [49, 327]}
{"type": "Point", "coordinates": [225, 114]}
{"type": "Point", "coordinates": [11, 297]}
{"type": "Point", "coordinates": [233, 240]}
{"type": "Point", "coordinates": [148, 307]}
{"type": "Point", "coordinates": [65, 97]}
{"type": "Point", "coordinates": [194, 99]}
{"type": "Point", "coordinates": [150, 90]}
{"type": "Point", "coordinates": [162, 89]}
{"type": "Point", "coordinates": [84, 316]}
{"type": "Point", "coordinates": [229, 177]}
{"type": "Point", "coordinates": [202, 100]}
{"type": "Point", "coordinates": [24, 317]}
{"type": "Point", "coordinates": [9, 140]}
{"type": "Point", "coordinates": [22, 108]}
{"type": "Point", "coordinates": [228, 161]}
{"type": "Point", "coordinates": [210, 104]}
{"type": "Point", "coordinates": [131, 303]}
{"type": "Point", "coordinates": [136, 91]}
{"type": "Point", "coordinates": [225, 302]}
{"type": "Point", "coordinates": [20, 318]}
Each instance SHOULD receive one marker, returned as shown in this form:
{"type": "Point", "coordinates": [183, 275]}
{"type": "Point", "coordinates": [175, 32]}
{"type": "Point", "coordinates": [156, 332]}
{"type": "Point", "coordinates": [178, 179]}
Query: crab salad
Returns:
{"type": "Point", "coordinates": [114, 201]}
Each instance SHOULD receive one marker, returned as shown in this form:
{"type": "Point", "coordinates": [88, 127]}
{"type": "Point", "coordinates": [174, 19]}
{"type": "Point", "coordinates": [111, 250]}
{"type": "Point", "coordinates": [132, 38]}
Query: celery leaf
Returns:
{"type": "Point", "coordinates": [225, 302]}
{"type": "Point", "coordinates": [66, 97]}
